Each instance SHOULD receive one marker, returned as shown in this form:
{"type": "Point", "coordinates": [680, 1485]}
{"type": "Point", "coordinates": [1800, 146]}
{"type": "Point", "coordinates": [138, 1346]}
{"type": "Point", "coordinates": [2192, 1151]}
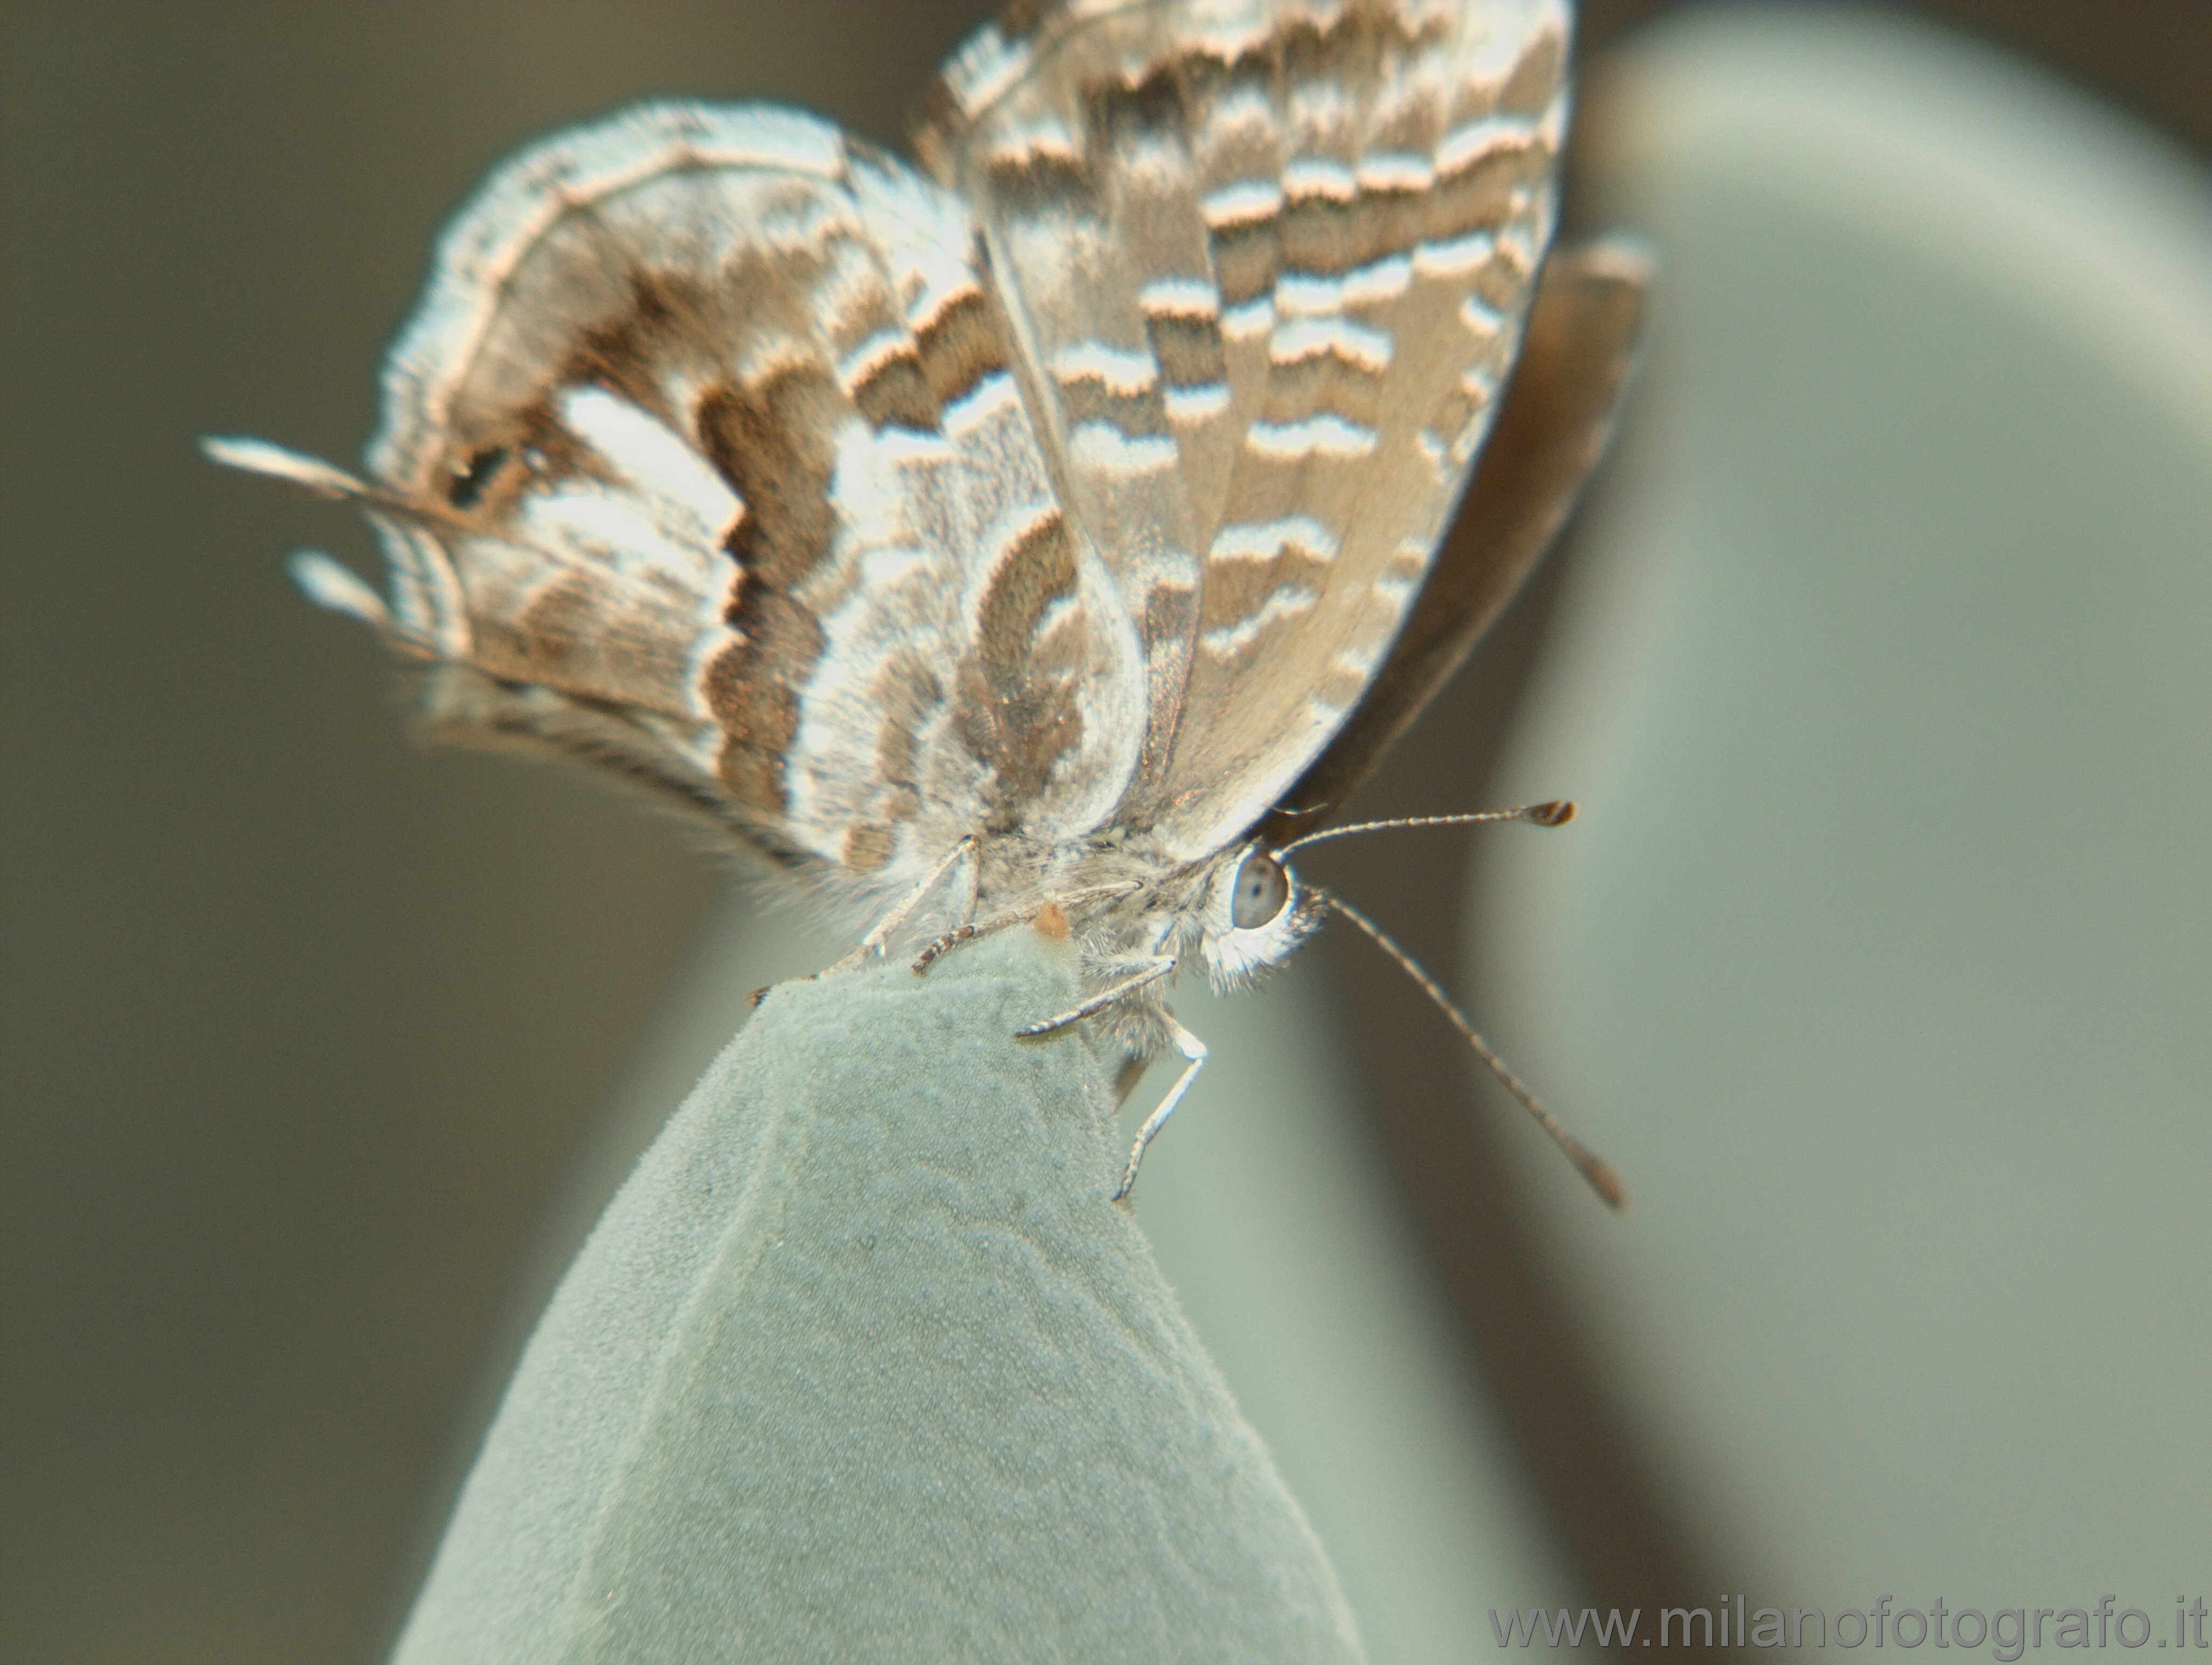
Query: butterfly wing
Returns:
{"type": "Point", "coordinates": [703, 458]}
{"type": "Point", "coordinates": [1266, 264]}
{"type": "Point", "coordinates": [1559, 415]}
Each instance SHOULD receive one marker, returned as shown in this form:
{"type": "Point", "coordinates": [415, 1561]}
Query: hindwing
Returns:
{"type": "Point", "coordinates": [704, 456]}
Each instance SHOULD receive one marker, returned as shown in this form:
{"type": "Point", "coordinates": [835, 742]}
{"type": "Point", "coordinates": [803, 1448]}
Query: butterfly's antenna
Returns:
{"type": "Point", "coordinates": [1558, 813]}
{"type": "Point", "coordinates": [1592, 1166]}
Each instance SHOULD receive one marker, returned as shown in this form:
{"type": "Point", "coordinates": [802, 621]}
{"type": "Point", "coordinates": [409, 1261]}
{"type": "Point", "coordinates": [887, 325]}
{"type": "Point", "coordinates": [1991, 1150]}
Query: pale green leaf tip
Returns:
{"type": "Point", "coordinates": [863, 1363]}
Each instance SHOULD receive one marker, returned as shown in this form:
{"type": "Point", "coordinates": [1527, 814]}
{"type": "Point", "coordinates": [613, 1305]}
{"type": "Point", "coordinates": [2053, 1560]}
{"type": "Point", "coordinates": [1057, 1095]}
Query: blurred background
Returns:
{"type": "Point", "coordinates": [1880, 959]}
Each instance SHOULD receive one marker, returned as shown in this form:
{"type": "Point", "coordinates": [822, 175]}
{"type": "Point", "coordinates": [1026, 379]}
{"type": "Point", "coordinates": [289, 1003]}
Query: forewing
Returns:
{"type": "Point", "coordinates": [1558, 414]}
{"type": "Point", "coordinates": [1265, 266]}
{"type": "Point", "coordinates": [703, 457]}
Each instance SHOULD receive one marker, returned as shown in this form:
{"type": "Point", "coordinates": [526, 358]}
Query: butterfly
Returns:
{"type": "Point", "coordinates": [1056, 529]}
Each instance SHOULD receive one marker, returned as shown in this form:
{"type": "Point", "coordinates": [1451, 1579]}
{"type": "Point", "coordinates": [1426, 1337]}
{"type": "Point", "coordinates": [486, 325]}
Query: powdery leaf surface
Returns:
{"type": "Point", "coordinates": [861, 1364]}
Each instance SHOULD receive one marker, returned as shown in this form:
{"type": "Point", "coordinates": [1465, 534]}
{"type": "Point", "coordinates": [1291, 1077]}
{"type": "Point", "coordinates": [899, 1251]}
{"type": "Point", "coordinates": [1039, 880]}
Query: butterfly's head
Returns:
{"type": "Point", "coordinates": [1256, 913]}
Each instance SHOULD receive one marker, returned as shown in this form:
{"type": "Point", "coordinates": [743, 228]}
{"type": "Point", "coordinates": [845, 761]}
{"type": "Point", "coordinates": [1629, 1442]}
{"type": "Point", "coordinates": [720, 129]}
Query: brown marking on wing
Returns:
{"type": "Point", "coordinates": [1326, 383]}
{"type": "Point", "coordinates": [941, 362]}
{"type": "Point", "coordinates": [1246, 255]}
{"type": "Point", "coordinates": [591, 640]}
{"type": "Point", "coordinates": [1236, 590]}
{"type": "Point", "coordinates": [752, 690]}
{"type": "Point", "coordinates": [544, 641]}
{"type": "Point", "coordinates": [909, 693]}
{"type": "Point", "coordinates": [1188, 348]}
{"type": "Point", "coordinates": [1037, 178]}
{"type": "Point", "coordinates": [671, 318]}
{"type": "Point", "coordinates": [962, 345]}
{"type": "Point", "coordinates": [895, 393]}
{"type": "Point", "coordinates": [765, 440]}
{"type": "Point", "coordinates": [1018, 685]}
{"type": "Point", "coordinates": [1552, 429]}
{"type": "Point", "coordinates": [867, 846]}
{"type": "Point", "coordinates": [1089, 398]}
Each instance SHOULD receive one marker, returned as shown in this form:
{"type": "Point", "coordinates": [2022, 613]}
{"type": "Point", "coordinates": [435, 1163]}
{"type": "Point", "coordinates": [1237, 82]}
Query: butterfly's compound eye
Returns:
{"type": "Point", "coordinates": [1262, 890]}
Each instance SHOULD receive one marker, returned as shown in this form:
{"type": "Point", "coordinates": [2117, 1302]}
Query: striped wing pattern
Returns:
{"type": "Point", "coordinates": [1073, 498]}
{"type": "Point", "coordinates": [1057, 518]}
{"type": "Point", "coordinates": [1265, 266]}
{"type": "Point", "coordinates": [704, 458]}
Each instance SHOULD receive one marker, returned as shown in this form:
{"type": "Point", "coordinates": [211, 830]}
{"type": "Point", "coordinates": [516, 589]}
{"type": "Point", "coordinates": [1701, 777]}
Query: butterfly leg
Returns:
{"type": "Point", "coordinates": [1193, 1049]}
{"type": "Point", "coordinates": [935, 949]}
{"type": "Point", "coordinates": [1151, 971]}
{"type": "Point", "coordinates": [872, 943]}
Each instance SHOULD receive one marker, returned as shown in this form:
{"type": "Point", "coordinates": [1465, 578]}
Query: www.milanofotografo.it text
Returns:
{"type": "Point", "coordinates": [2007, 1632]}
